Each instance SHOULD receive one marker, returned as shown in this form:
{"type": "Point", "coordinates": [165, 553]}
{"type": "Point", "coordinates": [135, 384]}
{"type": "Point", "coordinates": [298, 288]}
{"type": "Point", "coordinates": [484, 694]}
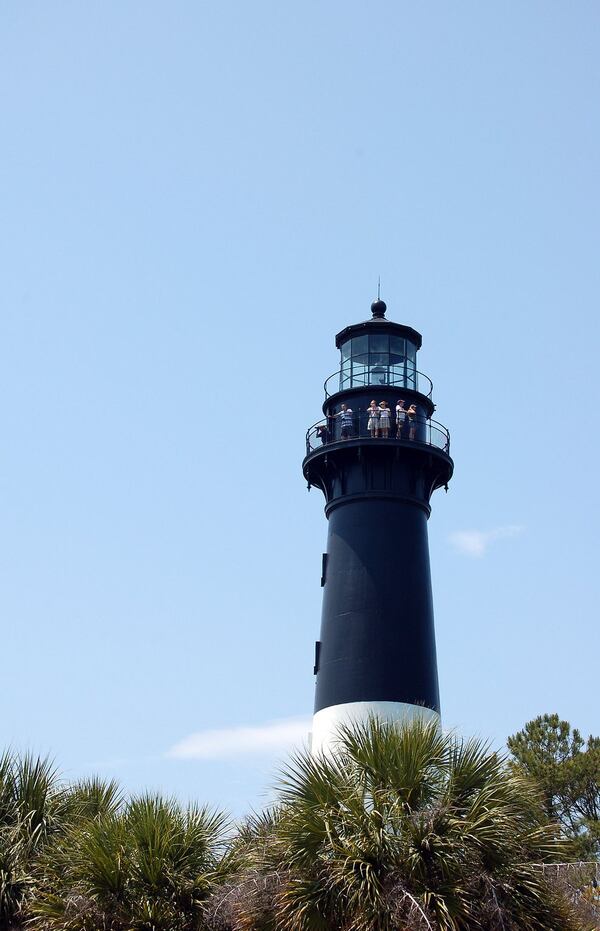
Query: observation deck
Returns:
{"type": "Point", "coordinates": [421, 431]}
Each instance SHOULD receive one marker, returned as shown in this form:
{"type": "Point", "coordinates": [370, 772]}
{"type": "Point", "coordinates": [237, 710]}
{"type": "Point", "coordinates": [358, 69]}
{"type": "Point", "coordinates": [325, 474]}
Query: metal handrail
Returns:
{"type": "Point", "coordinates": [419, 430]}
{"type": "Point", "coordinates": [411, 380]}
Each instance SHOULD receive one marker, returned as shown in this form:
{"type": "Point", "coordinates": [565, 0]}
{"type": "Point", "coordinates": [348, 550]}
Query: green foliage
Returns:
{"type": "Point", "coordinates": [568, 772]}
{"type": "Point", "coordinates": [147, 865]}
{"type": "Point", "coordinates": [401, 829]}
{"type": "Point", "coordinates": [32, 808]}
{"type": "Point", "coordinates": [93, 797]}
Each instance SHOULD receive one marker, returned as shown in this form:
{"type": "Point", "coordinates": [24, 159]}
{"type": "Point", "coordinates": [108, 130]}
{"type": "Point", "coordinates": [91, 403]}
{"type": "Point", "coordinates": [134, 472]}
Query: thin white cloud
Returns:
{"type": "Point", "coordinates": [476, 542]}
{"type": "Point", "coordinates": [261, 739]}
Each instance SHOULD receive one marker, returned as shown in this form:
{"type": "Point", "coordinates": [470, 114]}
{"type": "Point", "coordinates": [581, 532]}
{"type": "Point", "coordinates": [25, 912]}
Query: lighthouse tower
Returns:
{"type": "Point", "coordinates": [376, 652]}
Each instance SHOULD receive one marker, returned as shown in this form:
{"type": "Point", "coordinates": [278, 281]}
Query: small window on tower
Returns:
{"type": "Point", "coordinates": [324, 570]}
{"type": "Point", "coordinates": [317, 656]}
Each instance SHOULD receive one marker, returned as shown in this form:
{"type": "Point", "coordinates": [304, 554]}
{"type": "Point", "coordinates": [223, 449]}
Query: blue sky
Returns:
{"type": "Point", "coordinates": [196, 197]}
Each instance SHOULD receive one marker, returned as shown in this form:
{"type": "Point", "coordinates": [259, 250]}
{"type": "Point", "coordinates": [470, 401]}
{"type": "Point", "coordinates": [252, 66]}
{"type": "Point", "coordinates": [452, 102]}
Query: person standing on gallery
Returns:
{"type": "Point", "coordinates": [346, 420]}
{"type": "Point", "coordinates": [384, 419]}
{"type": "Point", "coordinates": [400, 418]}
{"type": "Point", "coordinates": [373, 421]}
{"type": "Point", "coordinates": [412, 421]}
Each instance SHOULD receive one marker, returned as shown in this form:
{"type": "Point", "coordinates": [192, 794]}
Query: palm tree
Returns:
{"type": "Point", "coordinates": [148, 865]}
{"type": "Point", "coordinates": [32, 809]}
{"type": "Point", "coordinates": [403, 829]}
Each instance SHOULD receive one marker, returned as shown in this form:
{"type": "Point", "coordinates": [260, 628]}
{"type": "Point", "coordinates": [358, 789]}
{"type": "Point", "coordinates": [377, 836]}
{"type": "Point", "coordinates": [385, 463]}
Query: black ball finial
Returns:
{"type": "Point", "coordinates": [378, 308]}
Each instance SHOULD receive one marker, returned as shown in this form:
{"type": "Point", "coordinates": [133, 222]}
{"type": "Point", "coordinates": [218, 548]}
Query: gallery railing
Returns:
{"type": "Point", "coordinates": [363, 425]}
{"type": "Point", "coordinates": [378, 376]}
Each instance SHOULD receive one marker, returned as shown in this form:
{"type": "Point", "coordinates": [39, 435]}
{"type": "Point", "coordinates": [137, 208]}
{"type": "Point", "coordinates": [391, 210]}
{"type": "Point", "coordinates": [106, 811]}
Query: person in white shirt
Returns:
{"type": "Point", "coordinates": [384, 419]}
{"type": "Point", "coordinates": [373, 421]}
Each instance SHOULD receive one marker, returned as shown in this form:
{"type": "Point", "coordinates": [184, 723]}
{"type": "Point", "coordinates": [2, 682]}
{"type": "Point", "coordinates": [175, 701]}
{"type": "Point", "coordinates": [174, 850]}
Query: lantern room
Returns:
{"type": "Point", "coordinates": [378, 353]}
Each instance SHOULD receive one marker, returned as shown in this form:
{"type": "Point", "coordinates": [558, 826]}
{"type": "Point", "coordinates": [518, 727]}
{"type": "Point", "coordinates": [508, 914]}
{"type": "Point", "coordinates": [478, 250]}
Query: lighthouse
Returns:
{"type": "Point", "coordinates": [377, 455]}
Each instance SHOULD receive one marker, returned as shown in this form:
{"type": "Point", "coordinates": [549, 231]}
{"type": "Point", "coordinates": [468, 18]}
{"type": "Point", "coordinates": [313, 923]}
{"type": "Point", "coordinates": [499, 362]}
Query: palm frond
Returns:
{"type": "Point", "coordinates": [93, 797]}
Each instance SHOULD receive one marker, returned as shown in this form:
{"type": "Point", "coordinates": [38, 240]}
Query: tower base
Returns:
{"type": "Point", "coordinates": [327, 721]}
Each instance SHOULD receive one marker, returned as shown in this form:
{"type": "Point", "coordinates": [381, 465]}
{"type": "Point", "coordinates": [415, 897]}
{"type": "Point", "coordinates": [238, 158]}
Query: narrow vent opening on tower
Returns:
{"type": "Point", "coordinates": [317, 656]}
{"type": "Point", "coordinates": [323, 569]}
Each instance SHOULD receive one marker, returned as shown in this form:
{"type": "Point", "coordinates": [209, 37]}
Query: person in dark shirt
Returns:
{"type": "Point", "coordinates": [322, 433]}
{"type": "Point", "coordinates": [400, 418]}
{"type": "Point", "coordinates": [412, 421]}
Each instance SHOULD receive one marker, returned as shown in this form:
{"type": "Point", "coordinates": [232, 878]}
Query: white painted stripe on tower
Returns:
{"type": "Point", "coordinates": [327, 721]}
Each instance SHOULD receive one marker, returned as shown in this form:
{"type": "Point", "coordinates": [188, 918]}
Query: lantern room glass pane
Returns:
{"type": "Point", "coordinates": [397, 350]}
{"type": "Point", "coordinates": [379, 342]}
{"type": "Point", "coordinates": [360, 370]}
{"type": "Point", "coordinates": [397, 375]}
{"type": "Point", "coordinates": [360, 346]}
{"type": "Point", "coordinates": [346, 375]}
{"type": "Point", "coordinates": [411, 365]}
{"type": "Point", "coordinates": [378, 375]}
{"type": "Point", "coordinates": [379, 357]}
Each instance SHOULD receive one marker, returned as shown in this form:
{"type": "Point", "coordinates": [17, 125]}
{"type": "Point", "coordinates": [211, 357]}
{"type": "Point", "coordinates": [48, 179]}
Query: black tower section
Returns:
{"type": "Point", "coordinates": [377, 641]}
